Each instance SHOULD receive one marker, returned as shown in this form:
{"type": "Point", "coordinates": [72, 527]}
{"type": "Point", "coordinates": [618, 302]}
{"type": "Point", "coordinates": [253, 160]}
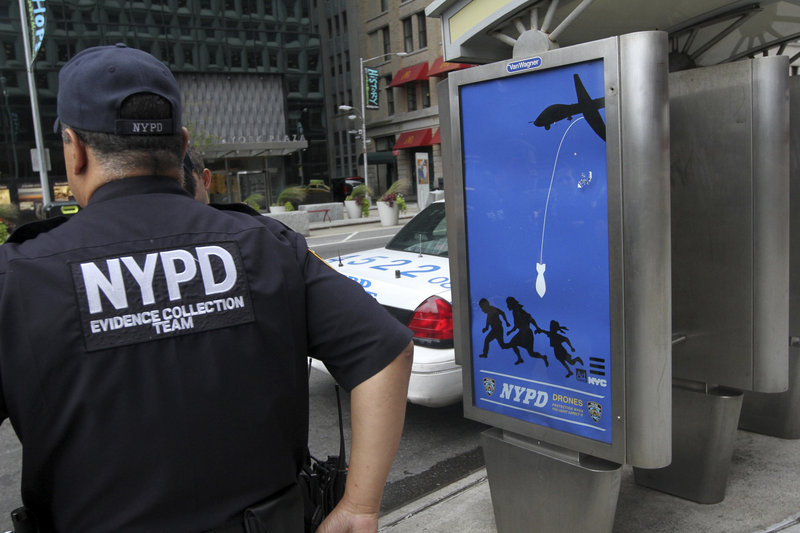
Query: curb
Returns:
{"type": "Point", "coordinates": [396, 518]}
{"type": "Point", "coordinates": [361, 221]}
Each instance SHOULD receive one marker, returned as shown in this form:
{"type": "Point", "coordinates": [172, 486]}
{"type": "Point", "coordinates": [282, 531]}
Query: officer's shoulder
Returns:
{"type": "Point", "coordinates": [238, 207]}
{"type": "Point", "coordinates": [271, 223]}
{"type": "Point", "coordinates": [32, 229]}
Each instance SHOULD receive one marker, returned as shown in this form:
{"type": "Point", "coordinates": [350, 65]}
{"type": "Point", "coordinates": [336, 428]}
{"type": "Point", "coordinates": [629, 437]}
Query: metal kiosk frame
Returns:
{"type": "Point", "coordinates": [534, 459]}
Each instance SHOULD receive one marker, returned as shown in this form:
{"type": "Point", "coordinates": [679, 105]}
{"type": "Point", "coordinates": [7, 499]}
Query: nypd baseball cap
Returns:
{"type": "Point", "coordinates": [94, 83]}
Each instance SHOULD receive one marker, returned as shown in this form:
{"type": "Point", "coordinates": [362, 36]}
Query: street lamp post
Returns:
{"type": "Point", "coordinates": [361, 62]}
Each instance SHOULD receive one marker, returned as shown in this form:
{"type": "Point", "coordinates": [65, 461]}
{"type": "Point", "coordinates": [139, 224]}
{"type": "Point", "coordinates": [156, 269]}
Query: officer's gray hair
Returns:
{"type": "Point", "coordinates": [117, 154]}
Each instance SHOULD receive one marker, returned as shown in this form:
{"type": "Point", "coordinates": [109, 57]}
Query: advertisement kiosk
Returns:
{"type": "Point", "coordinates": [559, 231]}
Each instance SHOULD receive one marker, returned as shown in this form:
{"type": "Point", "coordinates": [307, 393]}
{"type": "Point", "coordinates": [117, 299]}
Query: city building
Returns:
{"type": "Point", "coordinates": [403, 49]}
{"type": "Point", "coordinates": [250, 71]}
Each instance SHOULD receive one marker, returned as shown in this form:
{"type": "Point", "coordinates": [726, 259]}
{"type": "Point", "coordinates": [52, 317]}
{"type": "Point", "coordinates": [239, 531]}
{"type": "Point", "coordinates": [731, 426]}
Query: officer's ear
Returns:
{"type": "Point", "coordinates": [206, 178]}
{"type": "Point", "coordinates": [185, 139]}
{"type": "Point", "coordinates": [75, 156]}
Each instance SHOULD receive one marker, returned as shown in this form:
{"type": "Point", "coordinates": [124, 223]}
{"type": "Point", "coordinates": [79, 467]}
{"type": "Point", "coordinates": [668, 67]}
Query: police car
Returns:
{"type": "Point", "coordinates": [410, 278]}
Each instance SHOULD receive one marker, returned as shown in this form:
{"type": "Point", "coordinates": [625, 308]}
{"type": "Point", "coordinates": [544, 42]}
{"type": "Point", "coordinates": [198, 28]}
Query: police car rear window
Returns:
{"type": "Point", "coordinates": [426, 233]}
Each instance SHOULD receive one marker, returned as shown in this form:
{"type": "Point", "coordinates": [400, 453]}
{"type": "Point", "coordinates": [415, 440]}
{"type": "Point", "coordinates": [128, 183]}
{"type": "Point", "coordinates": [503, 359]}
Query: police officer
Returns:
{"type": "Point", "coordinates": [152, 360]}
{"type": "Point", "coordinates": [196, 177]}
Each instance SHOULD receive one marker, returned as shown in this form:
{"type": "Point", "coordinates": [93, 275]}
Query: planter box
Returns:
{"type": "Point", "coordinates": [323, 212]}
{"type": "Point", "coordinates": [296, 220]}
{"type": "Point", "coordinates": [353, 209]}
{"type": "Point", "coordinates": [389, 215]}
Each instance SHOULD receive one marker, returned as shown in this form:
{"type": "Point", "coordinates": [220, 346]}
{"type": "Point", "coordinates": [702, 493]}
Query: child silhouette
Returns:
{"type": "Point", "coordinates": [556, 341]}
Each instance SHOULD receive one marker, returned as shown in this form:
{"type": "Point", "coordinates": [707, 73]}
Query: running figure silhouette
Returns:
{"type": "Point", "coordinates": [494, 326]}
{"type": "Point", "coordinates": [556, 341]}
{"type": "Point", "coordinates": [524, 336]}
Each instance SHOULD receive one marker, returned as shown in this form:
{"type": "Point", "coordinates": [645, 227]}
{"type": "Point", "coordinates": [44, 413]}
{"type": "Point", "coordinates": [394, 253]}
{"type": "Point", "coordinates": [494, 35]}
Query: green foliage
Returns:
{"type": "Point", "coordinates": [294, 195]}
{"type": "Point", "coordinates": [9, 212]}
{"type": "Point", "coordinates": [401, 204]}
{"type": "Point", "coordinates": [395, 193]}
{"type": "Point", "coordinates": [359, 191]}
{"type": "Point", "coordinates": [399, 187]}
{"type": "Point", "coordinates": [255, 200]}
{"type": "Point", "coordinates": [359, 194]}
{"type": "Point", "coordinates": [288, 206]}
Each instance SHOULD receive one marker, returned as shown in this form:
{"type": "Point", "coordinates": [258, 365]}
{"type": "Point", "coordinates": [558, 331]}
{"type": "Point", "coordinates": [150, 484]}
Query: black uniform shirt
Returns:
{"type": "Point", "coordinates": [152, 358]}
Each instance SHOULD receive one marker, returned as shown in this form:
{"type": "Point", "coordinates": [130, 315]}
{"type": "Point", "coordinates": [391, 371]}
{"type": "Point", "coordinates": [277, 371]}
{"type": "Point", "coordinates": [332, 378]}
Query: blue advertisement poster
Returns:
{"type": "Point", "coordinates": [536, 200]}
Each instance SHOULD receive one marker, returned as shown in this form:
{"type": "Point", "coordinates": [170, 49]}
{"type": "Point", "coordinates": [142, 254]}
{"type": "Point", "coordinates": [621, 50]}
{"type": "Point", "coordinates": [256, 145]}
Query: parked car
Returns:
{"type": "Point", "coordinates": [316, 192]}
{"type": "Point", "coordinates": [342, 187]}
{"type": "Point", "coordinates": [410, 278]}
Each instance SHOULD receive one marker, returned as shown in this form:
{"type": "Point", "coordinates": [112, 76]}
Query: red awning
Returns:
{"type": "Point", "coordinates": [409, 74]}
{"type": "Point", "coordinates": [437, 137]}
{"type": "Point", "coordinates": [440, 66]}
{"type": "Point", "coordinates": [410, 139]}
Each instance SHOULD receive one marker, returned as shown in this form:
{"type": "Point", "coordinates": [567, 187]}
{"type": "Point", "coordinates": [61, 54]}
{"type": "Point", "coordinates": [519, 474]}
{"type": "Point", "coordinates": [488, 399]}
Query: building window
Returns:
{"type": "Point", "coordinates": [10, 49]}
{"type": "Point", "coordinates": [422, 30]}
{"type": "Point", "coordinates": [63, 52]}
{"type": "Point", "coordinates": [383, 5]}
{"type": "Point", "coordinates": [408, 36]}
{"type": "Point", "coordinates": [344, 22]}
{"type": "Point", "coordinates": [387, 45]}
{"type": "Point", "coordinates": [411, 96]}
{"type": "Point", "coordinates": [347, 61]}
{"type": "Point", "coordinates": [425, 88]}
{"type": "Point", "coordinates": [12, 81]}
{"type": "Point", "coordinates": [389, 96]}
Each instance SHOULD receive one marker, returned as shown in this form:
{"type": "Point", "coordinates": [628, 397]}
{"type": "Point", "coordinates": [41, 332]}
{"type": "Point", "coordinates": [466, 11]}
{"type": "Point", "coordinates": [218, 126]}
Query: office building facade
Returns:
{"type": "Point", "coordinates": [250, 71]}
{"type": "Point", "coordinates": [395, 38]}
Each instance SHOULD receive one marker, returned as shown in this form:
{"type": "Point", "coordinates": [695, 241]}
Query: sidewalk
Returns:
{"type": "Point", "coordinates": [763, 496]}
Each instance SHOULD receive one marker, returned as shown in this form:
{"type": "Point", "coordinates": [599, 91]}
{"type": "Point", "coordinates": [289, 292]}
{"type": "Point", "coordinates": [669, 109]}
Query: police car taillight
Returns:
{"type": "Point", "coordinates": [433, 320]}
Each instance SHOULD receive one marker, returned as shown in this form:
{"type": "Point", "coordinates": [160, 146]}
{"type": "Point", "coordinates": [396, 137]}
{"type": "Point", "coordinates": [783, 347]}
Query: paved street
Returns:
{"type": "Point", "coordinates": [10, 474]}
{"type": "Point", "coordinates": [331, 242]}
{"type": "Point", "coordinates": [439, 445]}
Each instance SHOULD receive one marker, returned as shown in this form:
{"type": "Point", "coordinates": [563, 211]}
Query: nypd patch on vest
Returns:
{"type": "Point", "coordinates": [143, 296]}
